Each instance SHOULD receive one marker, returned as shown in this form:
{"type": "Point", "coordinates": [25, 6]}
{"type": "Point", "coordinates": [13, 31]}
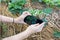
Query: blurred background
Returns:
{"type": "Point", "coordinates": [50, 32]}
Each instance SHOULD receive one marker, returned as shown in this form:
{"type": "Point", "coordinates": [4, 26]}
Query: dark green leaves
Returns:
{"type": "Point", "coordinates": [16, 6]}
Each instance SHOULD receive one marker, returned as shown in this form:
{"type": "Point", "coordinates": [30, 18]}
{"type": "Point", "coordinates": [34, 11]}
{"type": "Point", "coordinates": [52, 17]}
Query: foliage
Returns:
{"type": "Point", "coordinates": [56, 34]}
{"type": "Point", "coordinates": [35, 12]}
{"type": "Point", "coordinates": [34, 0]}
{"type": "Point", "coordinates": [51, 2]}
{"type": "Point", "coordinates": [47, 11]}
{"type": "Point", "coordinates": [16, 6]}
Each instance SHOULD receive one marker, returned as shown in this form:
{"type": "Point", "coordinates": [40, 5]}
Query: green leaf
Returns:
{"type": "Point", "coordinates": [35, 12]}
{"type": "Point", "coordinates": [52, 2]}
{"type": "Point", "coordinates": [16, 6]}
{"type": "Point", "coordinates": [48, 10]}
{"type": "Point", "coordinates": [56, 34]}
{"type": "Point", "coordinates": [13, 1]}
{"type": "Point", "coordinates": [58, 6]}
